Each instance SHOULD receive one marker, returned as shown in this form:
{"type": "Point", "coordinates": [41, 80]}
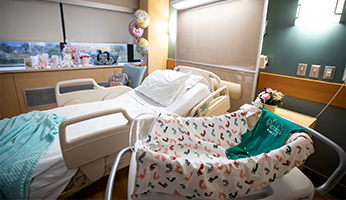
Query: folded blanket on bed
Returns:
{"type": "Point", "coordinates": [24, 140]}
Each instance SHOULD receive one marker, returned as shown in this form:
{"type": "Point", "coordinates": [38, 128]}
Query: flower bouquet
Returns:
{"type": "Point", "coordinates": [271, 97]}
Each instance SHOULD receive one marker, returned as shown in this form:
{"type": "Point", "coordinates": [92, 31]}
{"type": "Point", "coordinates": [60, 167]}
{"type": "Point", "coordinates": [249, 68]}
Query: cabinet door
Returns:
{"type": "Point", "coordinates": [9, 105]}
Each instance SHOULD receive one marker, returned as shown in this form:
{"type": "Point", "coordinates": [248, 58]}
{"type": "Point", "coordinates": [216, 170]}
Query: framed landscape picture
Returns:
{"type": "Point", "coordinates": [28, 63]}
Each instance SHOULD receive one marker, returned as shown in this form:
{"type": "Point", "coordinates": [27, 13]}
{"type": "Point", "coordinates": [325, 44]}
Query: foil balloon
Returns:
{"type": "Point", "coordinates": [141, 18]}
{"type": "Point", "coordinates": [142, 46]}
{"type": "Point", "coordinates": [134, 30]}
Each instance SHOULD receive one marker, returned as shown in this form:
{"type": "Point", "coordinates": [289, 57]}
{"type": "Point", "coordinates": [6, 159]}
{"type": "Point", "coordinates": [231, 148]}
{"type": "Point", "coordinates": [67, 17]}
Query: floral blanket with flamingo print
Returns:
{"type": "Point", "coordinates": [186, 157]}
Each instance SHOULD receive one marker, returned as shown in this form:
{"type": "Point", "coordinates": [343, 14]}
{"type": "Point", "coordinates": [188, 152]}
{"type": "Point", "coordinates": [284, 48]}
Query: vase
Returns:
{"type": "Point", "coordinates": [85, 62]}
{"type": "Point", "coordinates": [270, 108]}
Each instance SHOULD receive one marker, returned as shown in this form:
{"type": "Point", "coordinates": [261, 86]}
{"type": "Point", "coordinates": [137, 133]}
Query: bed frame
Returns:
{"type": "Point", "coordinates": [94, 153]}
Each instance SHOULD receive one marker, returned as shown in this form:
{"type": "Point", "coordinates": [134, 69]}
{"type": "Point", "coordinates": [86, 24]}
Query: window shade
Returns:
{"type": "Point", "coordinates": [92, 25]}
{"type": "Point", "coordinates": [30, 21]}
{"type": "Point", "coordinates": [224, 38]}
{"type": "Point", "coordinates": [225, 34]}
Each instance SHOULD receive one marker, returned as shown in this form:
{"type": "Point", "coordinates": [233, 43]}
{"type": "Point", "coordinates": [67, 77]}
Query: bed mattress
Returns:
{"type": "Point", "coordinates": [52, 175]}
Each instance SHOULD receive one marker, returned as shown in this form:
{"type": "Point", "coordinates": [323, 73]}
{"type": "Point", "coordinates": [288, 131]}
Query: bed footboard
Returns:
{"type": "Point", "coordinates": [88, 152]}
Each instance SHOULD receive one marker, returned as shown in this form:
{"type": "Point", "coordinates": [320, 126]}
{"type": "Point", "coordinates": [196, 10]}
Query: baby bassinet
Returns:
{"type": "Point", "coordinates": [186, 157]}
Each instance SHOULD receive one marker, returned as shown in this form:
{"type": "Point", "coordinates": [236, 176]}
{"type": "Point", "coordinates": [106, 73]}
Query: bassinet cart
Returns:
{"type": "Point", "coordinates": [176, 157]}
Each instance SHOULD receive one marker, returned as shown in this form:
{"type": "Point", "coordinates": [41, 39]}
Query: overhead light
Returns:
{"type": "Point", "coordinates": [339, 7]}
{"type": "Point", "coordinates": [186, 4]}
{"type": "Point", "coordinates": [318, 12]}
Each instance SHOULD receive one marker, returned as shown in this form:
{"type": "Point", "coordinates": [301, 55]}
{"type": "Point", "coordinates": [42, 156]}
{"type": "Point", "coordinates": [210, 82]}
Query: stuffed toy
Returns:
{"type": "Point", "coordinates": [72, 51]}
{"type": "Point", "coordinates": [54, 61]}
{"type": "Point", "coordinates": [74, 55]}
{"type": "Point", "coordinates": [67, 62]}
{"type": "Point", "coordinates": [118, 79]}
{"type": "Point", "coordinates": [42, 62]}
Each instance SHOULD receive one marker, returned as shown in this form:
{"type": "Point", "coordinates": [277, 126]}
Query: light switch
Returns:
{"type": "Point", "coordinates": [315, 71]}
{"type": "Point", "coordinates": [329, 72]}
{"type": "Point", "coordinates": [301, 69]}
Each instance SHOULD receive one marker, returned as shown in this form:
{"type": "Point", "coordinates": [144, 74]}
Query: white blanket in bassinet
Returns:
{"type": "Point", "coordinates": [186, 157]}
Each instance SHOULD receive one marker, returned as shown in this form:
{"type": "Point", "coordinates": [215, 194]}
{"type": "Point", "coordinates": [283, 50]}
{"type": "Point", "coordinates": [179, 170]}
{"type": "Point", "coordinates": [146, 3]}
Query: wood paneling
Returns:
{"type": "Point", "coordinates": [170, 63]}
{"type": "Point", "coordinates": [156, 33]}
{"type": "Point", "coordinates": [312, 90]}
{"type": "Point", "coordinates": [9, 105]}
{"type": "Point", "coordinates": [13, 84]}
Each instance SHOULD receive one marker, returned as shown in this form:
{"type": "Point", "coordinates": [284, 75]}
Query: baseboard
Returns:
{"type": "Point", "coordinates": [339, 191]}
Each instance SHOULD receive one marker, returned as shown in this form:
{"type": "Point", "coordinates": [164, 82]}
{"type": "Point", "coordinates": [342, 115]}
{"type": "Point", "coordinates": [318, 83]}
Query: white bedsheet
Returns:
{"type": "Point", "coordinates": [52, 175]}
{"type": "Point", "coordinates": [179, 106]}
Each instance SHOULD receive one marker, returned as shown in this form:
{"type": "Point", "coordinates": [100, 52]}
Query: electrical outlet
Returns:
{"type": "Point", "coordinates": [315, 71]}
{"type": "Point", "coordinates": [301, 69]}
{"type": "Point", "coordinates": [344, 76]}
{"type": "Point", "coordinates": [329, 72]}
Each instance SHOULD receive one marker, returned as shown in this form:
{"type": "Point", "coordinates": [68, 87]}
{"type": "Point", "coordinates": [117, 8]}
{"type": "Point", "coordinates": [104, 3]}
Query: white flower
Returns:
{"type": "Point", "coordinates": [269, 90]}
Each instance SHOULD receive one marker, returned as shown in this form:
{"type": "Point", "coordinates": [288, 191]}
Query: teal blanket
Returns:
{"type": "Point", "coordinates": [24, 140]}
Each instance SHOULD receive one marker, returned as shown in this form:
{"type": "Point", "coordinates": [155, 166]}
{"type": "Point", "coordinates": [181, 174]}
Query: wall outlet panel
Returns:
{"type": "Point", "coordinates": [301, 69]}
{"type": "Point", "coordinates": [329, 72]}
{"type": "Point", "coordinates": [315, 71]}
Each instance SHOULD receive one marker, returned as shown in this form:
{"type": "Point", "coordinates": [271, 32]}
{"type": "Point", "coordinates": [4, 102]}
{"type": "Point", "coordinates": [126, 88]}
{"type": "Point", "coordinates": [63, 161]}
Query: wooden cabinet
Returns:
{"type": "Point", "coordinates": [13, 83]}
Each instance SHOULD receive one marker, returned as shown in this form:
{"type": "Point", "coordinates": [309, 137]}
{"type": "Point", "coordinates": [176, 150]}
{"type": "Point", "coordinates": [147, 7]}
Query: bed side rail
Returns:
{"type": "Point", "coordinates": [234, 89]}
{"type": "Point", "coordinates": [217, 103]}
{"type": "Point", "coordinates": [97, 94]}
{"type": "Point", "coordinates": [339, 172]}
{"type": "Point", "coordinates": [88, 152]}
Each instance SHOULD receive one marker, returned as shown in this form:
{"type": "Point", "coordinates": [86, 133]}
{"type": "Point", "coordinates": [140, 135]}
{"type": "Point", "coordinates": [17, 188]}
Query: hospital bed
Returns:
{"type": "Point", "coordinates": [209, 96]}
{"type": "Point", "coordinates": [99, 121]}
{"type": "Point", "coordinates": [292, 185]}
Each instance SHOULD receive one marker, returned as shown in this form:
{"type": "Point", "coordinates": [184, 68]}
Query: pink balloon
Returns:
{"type": "Point", "coordinates": [134, 30]}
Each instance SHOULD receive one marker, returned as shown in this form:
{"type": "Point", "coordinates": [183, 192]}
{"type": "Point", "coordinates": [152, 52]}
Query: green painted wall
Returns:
{"type": "Point", "coordinates": [287, 45]}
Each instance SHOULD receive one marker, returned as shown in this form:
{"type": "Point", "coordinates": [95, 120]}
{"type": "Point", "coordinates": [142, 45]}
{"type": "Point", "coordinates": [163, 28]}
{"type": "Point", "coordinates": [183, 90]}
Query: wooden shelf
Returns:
{"type": "Point", "coordinates": [297, 117]}
{"type": "Point", "coordinates": [304, 88]}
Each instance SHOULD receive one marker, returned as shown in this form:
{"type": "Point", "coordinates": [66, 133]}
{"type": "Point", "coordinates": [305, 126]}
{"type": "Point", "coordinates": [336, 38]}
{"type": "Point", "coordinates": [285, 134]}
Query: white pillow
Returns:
{"type": "Point", "coordinates": [163, 86]}
{"type": "Point", "coordinates": [191, 81]}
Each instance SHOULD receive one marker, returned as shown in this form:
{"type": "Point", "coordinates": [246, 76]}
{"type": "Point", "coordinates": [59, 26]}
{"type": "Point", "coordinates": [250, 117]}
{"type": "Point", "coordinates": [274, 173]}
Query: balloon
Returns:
{"type": "Point", "coordinates": [134, 30]}
{"type": "Point", "coordinates": [142, 46]}
{"type": "Point", "coordinates": [142, 18]}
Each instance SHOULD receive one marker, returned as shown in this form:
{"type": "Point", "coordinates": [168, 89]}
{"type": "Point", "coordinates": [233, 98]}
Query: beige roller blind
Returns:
{"type": "Point", "coordinates": [30, 21]}
{"type": "Point", "coordinates": [225, 34]}
{"type": "Point", "coordinates": [93, 25]}
{"type": "Point", "coordinates": [225, 38]}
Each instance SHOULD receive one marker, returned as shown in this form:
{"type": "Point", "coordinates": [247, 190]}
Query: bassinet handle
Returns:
{"type": "Point", "coordinates": [339, 172]}
{"type": "Point", "coordinates": [111, 177]}
{"type": "Point", "coordinates": [136, 119]}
